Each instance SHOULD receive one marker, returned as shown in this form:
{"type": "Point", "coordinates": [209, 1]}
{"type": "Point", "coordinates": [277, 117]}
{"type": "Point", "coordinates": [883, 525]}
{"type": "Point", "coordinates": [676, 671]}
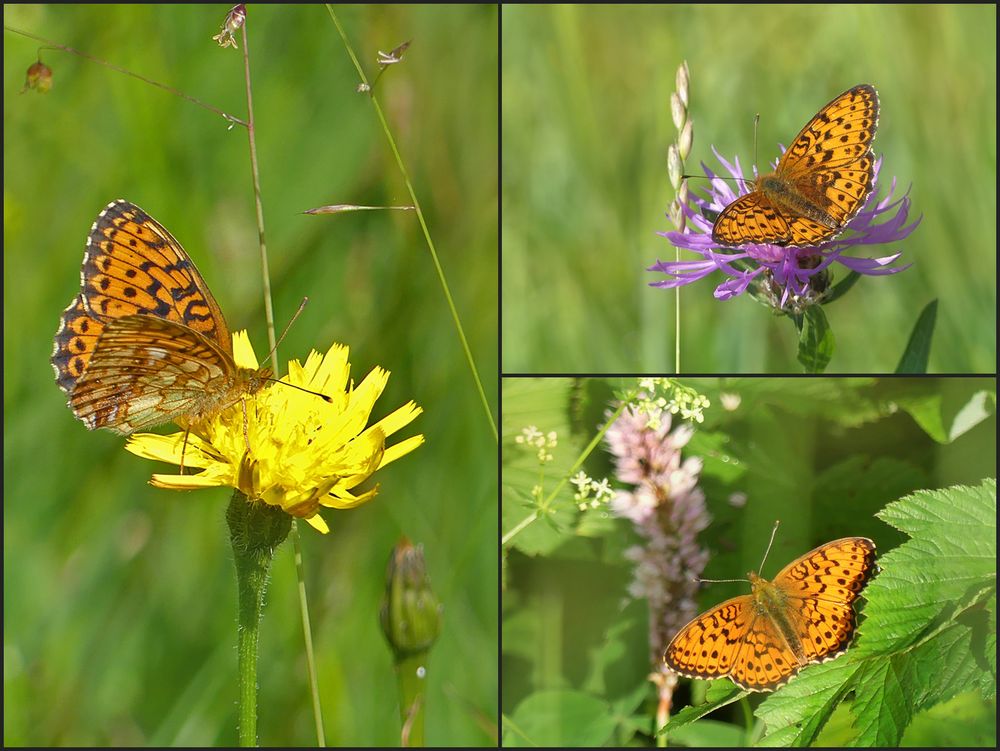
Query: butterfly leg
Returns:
{"type": "Point", "coordinates": [187, 432]}
{"type": "Point", "coordinates": [246, 430]}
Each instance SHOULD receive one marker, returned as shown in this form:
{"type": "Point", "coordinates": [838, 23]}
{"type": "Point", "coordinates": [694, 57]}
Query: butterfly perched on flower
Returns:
{"type": "Point", "coordinates": [144, 341]}
{"type": "Point", "coordinates": [821, 182]}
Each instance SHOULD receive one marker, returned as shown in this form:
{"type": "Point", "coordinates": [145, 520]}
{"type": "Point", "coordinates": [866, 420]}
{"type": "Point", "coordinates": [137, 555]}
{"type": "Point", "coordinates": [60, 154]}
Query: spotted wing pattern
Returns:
{"type": "Point", "coordinates": [144, 341]}
{"type": "Point", "coordinates": [804, 616]}
{"type": "Point", "coordinates": [821, 182]}
{"type": "Point", "coordinates": [821, 587]}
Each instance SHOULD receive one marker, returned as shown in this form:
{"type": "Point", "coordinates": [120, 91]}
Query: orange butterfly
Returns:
{"type": "Point", "coordinates": [144, 342]}
{"type": "Point", "coordinates": [803, 616]}
{"type": "Point", "coordinates": [822, 181]}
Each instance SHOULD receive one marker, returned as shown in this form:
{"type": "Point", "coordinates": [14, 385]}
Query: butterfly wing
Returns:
{"type": "Point", "coordinates": [830, 162]}
{"type": "Point", "coordinates": [820, 589]}
{"type": "Point", "coordinates": [133, 265]}
{"type": "Point", "coordinates": [709, 646]}
{"type": "Point", "coordinates": [145, 371]}
{"type": "Point", "coordinates": [74, 344]}
{"type": "Point", "coordinates": [803, 231]}
{"type": "Point", "coordinates": [765, 660]}
{"type": "Point", "coordinates": [751, 218]}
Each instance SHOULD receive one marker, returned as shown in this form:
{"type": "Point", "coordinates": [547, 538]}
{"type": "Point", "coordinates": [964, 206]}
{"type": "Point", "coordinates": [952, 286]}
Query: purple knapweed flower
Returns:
{"type": "Point", "coordinates": [789, 278]}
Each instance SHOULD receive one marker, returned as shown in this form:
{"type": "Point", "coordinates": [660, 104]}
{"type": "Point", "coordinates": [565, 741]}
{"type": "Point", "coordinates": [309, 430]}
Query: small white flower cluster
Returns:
{"type": "Point", "coordinates": [589, 492]}
{"type": "Point", "coordinates": [532, 436]}
{"type": "Point", "coordinates": [677, 399]}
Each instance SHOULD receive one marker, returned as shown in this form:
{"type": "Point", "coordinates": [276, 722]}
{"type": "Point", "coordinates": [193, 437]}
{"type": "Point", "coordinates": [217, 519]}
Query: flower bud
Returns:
{"type": "Point", "coordinates": [38, 77]}
{"type": "Point", "coordinates": [234, 21]}
{"type": "Point", "coordinates": [410, 614]}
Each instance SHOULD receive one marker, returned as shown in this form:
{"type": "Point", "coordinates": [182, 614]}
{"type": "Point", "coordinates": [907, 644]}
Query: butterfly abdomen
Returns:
{"type": "Point", "coordinates": [771, 601]}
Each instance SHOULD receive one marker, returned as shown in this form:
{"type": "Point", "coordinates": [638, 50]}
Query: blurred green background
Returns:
{"type": "Point", "coordinates": [119, 599]}
{"type": "Point", "coordinates": [585, 129]}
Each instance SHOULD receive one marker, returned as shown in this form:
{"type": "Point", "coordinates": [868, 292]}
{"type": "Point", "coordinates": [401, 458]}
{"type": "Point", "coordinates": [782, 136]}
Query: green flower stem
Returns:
{"type": "Point", "coordinates": [255, 530]}
{"type": "Point", "coordinates": [411, 673]}
{"type": "Point", "coordinates": [307, 636]}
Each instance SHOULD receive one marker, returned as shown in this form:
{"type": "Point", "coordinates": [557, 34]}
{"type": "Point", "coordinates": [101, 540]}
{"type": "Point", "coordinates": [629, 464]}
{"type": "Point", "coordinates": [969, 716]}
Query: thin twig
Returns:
{"type": "Point", "coordinates": [259, 205]}
{"type": "Point", "coordinates": [124, 71]}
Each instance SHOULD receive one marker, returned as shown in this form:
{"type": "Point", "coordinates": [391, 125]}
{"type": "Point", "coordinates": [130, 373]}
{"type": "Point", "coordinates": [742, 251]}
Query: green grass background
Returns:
{"type": "Point", "coordinates": [119, 599]}
{"type": "Point", "coordinates": [585, 129]}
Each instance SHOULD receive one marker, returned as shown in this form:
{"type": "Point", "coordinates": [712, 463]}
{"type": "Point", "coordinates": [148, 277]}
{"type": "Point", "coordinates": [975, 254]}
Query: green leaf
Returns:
{"type": "Point", "coordinates": [542, 532]}
{"type": "Point", "coordinates": [559, 718]}
{"type": "Point", "coordinates": [720, 693]}
{"type": "Point", "coordinates": [980, 406]}
{"type": "Point", "coordinates": [918, 349]}
{"type": "Point", "coordinates": [930, 624]}
{"type": "Point", "coordinates": [710, 734]}
{"type": "Point", "coordinates": [816, 342]}
{"type": "Point", "coordinates": [795, 714]}
{"type": "Point", "coordinates": [952, 548]}
{"type": "Point", "coordinates": [946, 409]}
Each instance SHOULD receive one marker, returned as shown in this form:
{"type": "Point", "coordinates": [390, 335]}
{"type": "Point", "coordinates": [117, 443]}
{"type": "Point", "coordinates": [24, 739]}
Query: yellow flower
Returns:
{"type": "Point", "coordinates": [306, 451]}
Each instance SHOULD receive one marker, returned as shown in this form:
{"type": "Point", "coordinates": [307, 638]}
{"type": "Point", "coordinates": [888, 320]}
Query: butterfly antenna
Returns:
{"type": "Point", "coordinates": [716, 581]}
{"type": "Point", "coordinates": [288, 325]}
{"type": "Point", "coordinates": [324, 397]}
{"type": "Point", "coordinates": [773, 533]}
{"type": "Point", "coordinates": [274, 349]}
